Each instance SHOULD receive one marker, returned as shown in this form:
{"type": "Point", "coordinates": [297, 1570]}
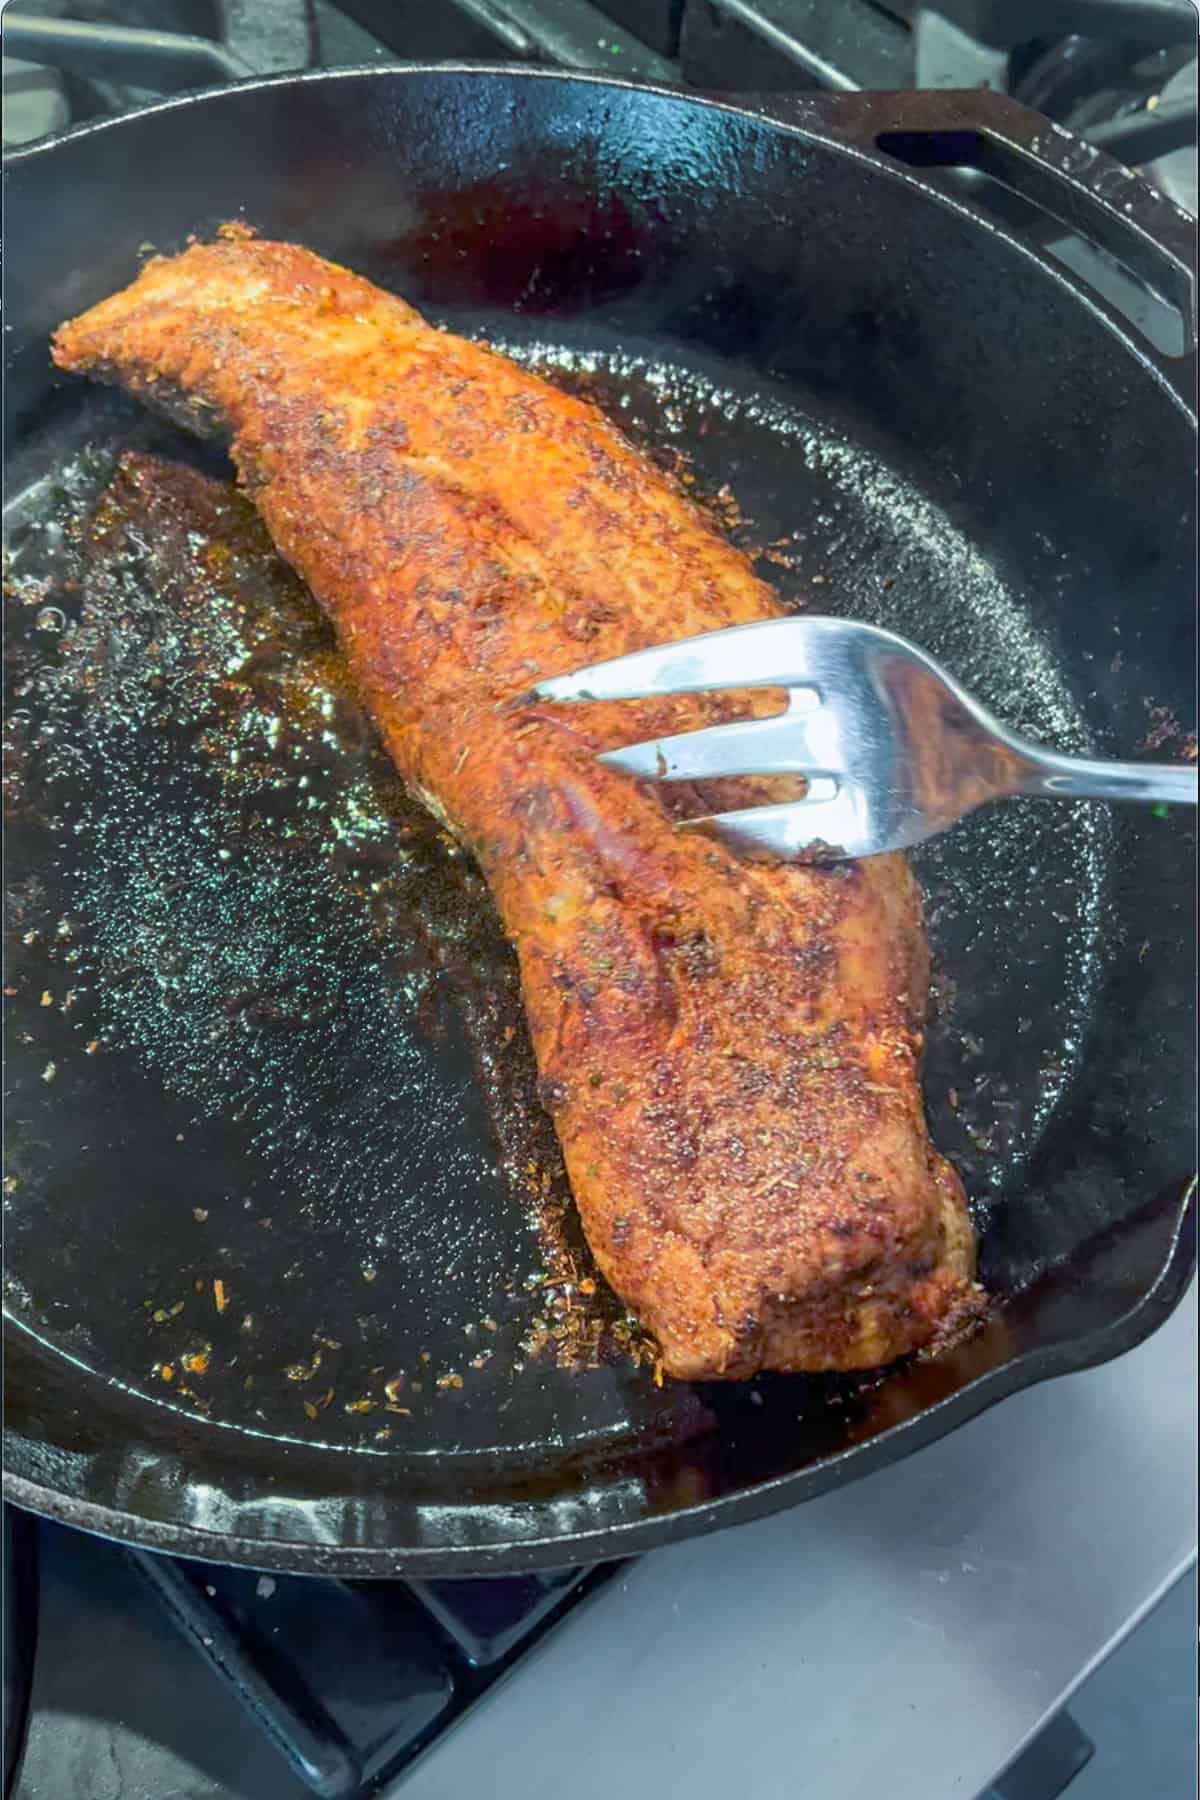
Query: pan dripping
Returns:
{"type": "Point", "coordinates": [248, 902]}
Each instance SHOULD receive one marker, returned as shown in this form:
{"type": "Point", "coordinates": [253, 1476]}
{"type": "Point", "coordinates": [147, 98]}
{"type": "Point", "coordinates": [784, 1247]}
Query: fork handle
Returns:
{"type": "Point", "coordinates": [1079, 778]}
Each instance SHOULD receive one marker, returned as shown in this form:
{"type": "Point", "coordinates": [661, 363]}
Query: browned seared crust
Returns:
{"type": "Point", "coordinates": [730, 1050]}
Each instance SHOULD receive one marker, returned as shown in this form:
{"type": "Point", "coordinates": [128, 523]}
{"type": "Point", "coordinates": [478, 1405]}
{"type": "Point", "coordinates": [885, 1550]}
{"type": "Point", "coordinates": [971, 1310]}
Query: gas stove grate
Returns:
{"type": "Point", "coordinates": [353, 1680]}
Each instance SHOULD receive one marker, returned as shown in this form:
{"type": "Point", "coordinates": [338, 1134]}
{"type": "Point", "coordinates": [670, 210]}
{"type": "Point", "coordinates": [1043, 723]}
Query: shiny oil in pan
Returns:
{"type": "Point", "coordinates": [268, 1070]}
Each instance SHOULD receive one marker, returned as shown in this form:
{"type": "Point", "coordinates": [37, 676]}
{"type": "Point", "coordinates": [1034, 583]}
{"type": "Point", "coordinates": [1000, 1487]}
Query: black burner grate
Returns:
{"type": "Point", "coordinates": [352, 1680]}
{"type": "Point", "coordinates": [341, 1684]}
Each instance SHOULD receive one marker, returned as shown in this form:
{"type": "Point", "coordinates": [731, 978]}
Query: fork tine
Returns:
{"type": "Point", "coordinates": [824, 827]}
{"type": "Point", "coordinates": [771, 653]}
{"type": "Point", "coordinates": [789, 742]}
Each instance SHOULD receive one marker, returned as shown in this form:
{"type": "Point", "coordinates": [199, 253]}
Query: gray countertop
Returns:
{"type": "Point", "coordinates": [906, 1635]}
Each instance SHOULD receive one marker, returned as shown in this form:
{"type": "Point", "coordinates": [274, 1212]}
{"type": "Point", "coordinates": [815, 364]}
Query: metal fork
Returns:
{"type": "Point", "coordinates": [892, 749]}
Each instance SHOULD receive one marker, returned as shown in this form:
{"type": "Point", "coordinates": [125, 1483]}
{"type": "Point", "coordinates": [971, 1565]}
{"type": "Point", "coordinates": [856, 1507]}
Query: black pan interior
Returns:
{"type": "Point", "coordinates": [291, 1268]}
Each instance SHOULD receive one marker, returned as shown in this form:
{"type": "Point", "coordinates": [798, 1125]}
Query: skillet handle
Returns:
{"type": "Point", "coordinates": [1092, 195]}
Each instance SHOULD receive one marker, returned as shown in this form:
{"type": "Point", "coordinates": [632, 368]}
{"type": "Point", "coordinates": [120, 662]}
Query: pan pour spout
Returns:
{"type": "Point", "coordinates": [730, 1049]}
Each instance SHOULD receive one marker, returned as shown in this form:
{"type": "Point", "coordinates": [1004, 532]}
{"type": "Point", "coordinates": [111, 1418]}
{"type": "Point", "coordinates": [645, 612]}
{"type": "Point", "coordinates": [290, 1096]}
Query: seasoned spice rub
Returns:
{"type": "Point", "coordinates": [730, 1050]}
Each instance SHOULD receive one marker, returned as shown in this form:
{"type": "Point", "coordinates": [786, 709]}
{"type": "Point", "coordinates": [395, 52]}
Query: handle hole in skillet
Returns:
{"type": "Point", "coordinates": [1067, 221]}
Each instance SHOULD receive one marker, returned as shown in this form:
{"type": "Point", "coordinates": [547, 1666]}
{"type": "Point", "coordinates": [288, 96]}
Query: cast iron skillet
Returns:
{"type": "Point", "coordinates": [926, 422]}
